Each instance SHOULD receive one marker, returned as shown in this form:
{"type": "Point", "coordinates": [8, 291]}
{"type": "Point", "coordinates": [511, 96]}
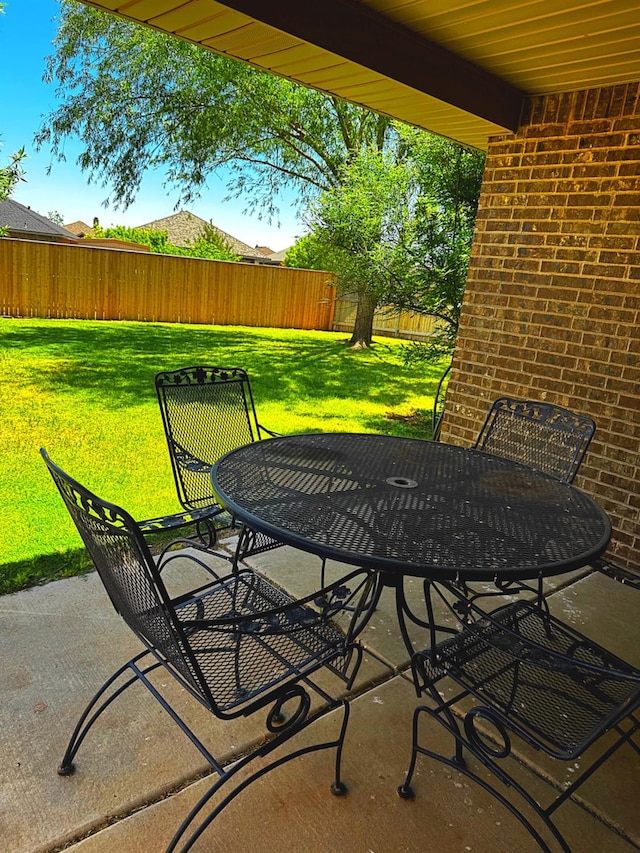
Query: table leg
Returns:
{"type": "Point", "coordinates": [406, 616]}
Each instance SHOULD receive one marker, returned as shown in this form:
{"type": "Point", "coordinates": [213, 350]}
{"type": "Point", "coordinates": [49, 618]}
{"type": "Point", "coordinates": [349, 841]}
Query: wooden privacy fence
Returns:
{"type": "Point", "coordinates": [83, 282]}
{"type": "Point", "coordinates": [386, 321]}
{"type": "Point", "coordinates": [90, 283]}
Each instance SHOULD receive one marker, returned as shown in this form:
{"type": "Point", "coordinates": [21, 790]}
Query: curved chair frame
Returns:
{"type": "Point", "coordinates": [238, 645]}
{"type": "Point", "coordinates": [522, 673]}
{"type": "Point", "coordinates": [439, 403]}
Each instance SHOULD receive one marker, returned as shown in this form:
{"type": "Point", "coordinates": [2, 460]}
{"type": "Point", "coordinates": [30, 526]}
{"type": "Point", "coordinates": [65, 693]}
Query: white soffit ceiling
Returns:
{"type": "Point", "coordinates": [462, 69]}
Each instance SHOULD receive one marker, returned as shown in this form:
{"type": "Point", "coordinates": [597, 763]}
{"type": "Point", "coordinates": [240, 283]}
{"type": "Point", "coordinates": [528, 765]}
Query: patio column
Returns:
{"type": "Point", "coordinates": [552, 306]}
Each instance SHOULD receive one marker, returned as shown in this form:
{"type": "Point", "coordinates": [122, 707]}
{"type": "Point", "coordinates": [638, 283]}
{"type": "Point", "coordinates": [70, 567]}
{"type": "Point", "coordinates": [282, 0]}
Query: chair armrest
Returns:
{"type": "Point", "coordinates": [269, 432]}
{"type": "Point", "coordinates": [187, 460]}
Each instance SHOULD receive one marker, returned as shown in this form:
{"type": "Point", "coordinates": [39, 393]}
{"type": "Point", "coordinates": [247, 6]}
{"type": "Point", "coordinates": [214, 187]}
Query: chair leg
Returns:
{"type": "Point", "coordinates": [94, 709]}
{"type": "Point", "coordinates": [405, 791]}
{"type": "Point", "coordinates": [102, 699]}
{"type": "Point", "coordinates": [457, 762]}
{"type": "Point", "coordinates": [338, 788]}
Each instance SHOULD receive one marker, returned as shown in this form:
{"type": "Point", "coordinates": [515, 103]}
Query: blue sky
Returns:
{"type": "Point", "coordinates": [27, 29]}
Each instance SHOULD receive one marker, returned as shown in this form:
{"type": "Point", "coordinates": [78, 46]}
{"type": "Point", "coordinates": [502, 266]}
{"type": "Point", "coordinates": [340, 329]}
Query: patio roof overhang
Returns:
{"type": "Point", "coordinates": [461, 69]}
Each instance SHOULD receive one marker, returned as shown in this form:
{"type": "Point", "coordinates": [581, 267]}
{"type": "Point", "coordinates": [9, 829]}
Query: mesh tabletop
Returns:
{"type": "Point", "coordinates": [411, 506]}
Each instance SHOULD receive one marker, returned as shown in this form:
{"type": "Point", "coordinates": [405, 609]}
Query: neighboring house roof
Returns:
{"type": "Point", "coordinates": [21, 221]}
{"type": "Point", "coordinates": [278, 256]}
{"type": "Point", "coordinates": [79, 228]}
{"type": "Point", "coordinates": [184, 228]}
{"type": "Point", "coordinates": [82, 230]}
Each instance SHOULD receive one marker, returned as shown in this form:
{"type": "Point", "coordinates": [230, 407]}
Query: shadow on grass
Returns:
{"type": "Point", "coordinates": [72, 562]}
{"type": "Point", "coordinates": [122, 360]}
{"type": "Point", "coordinates": [44, 568]}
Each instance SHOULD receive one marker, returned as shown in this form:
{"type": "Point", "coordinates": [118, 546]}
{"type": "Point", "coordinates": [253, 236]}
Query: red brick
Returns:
{"type": "Point", "coordinates": [594, 170]}
{"type": "Point", "coordinates": [554, 267]}
{"type": "Point", "coordinates": [629, 168]}
{"type": "Point", "coordinates": [630, 200]}
{"type": "Point", "coordinates": [621, 227]}
{"type": "Point", "coordinates": [590, 128]}
{"type": "Point", "coordinates": [609, 242]}
{"type": "Point", "coordinates": [602, 271]}
{"type": "Point", "coordinates": [589, 199]}
{"type": "Point", "coordinates": [608, 257]}
{"type": "Point", "coordinates": [579, 241]}
{"type": "Point", "coordinates": [575, 254]}
{"type": "Point", "coordinates": [623, 184]}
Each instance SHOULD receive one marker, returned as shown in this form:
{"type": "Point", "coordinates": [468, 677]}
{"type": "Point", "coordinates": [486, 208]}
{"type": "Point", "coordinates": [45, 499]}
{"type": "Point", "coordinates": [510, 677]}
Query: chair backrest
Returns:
{"type": "Point", "coordinates": [206, 412]}
{"type": "Point", "coordinates": [544, 436]}
{"type": "Point", "coordinates": [128, 572]}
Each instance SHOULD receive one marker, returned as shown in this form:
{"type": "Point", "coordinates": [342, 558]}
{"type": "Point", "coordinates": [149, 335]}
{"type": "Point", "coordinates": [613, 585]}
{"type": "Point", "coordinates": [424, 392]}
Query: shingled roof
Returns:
{"type": "Point", "coordinates": [21, 221]}
{"type": "Point", "coordinates": [184, 228]}
{"type": "Point", "coordinates": [79, 228]}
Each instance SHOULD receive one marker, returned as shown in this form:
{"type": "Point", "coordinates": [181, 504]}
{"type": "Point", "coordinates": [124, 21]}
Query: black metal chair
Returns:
{"type": "Point", "coordinates": [541, 435]}
{"type": "Point", "coordinates": [547, 437]}
{"type": "Point", "coordinates": [521, 672]}
{"type": "Point", "coordinates": [238, 645]}
{"type": "Point", "coordinates": [439, 402]}
{"type": "Point", "coordinates": [206, 412]}
{"type": "Point", "coordinates": [617, 573]}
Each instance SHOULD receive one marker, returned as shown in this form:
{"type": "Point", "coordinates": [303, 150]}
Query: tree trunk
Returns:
{"type": "Point", "coordinates": [363, 326]}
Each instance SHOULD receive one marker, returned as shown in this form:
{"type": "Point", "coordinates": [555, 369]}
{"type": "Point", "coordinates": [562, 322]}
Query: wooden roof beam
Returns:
{"type": "Point", "coordinates": [357, 33]}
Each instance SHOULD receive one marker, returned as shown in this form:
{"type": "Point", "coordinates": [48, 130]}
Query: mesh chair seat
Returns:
{"type": "Point", "coordinates": [560, 689]}
{"type": "Point", "coordinates": [238, 645]}
{"type": "Point", "coordinates": [520, 671]}
{"type": "Point", "coordinates": [242, 660]}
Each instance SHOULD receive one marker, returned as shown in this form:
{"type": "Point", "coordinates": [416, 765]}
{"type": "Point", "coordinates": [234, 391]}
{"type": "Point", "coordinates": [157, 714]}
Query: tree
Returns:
{"type": "Point", "coordinates": [448, 179]}
{"type": "Point", "coordinates": [307, 253]}
{"type": "Point", "coordinates": [359, 227]}
{"type": "Point", "coordinates": [212, 245]}
{"type": "Point", "coordinates": [9, 176]}
{"type": "Point", "coordinates": [400, 227]}
{"type": "Point", "coordinates": [175, 108]}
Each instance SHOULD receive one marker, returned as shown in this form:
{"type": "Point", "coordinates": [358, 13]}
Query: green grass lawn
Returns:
{"type": "Point", "coordinates": [84, 390]}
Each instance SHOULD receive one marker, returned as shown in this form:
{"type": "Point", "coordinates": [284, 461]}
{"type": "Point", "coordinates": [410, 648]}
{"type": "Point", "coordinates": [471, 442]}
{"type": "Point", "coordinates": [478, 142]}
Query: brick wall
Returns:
{"type": "Point", "coordinates": [552, 306]}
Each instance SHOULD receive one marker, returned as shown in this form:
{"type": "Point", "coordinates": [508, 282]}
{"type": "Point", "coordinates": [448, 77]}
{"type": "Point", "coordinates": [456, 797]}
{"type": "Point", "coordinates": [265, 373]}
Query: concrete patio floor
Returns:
{"type": "Point", "coordinates": [137, 775]}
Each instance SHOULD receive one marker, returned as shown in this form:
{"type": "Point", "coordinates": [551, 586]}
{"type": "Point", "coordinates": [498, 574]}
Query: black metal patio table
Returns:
{"type": "Point", "coordinates": [412, 507]}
